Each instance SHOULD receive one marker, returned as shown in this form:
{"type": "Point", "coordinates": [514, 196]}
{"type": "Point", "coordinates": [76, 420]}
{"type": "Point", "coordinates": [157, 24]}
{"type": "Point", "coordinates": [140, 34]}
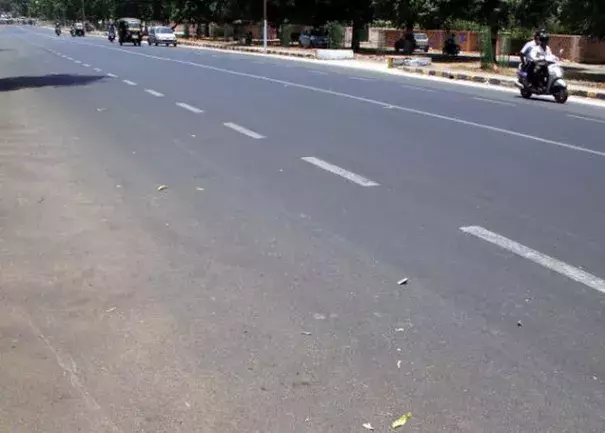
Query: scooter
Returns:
{"type": "Point", "coordinates": [547, 81]}
{"type": "Point", "coordinates": [58, 31]}
{"type": "Point", "coordinates": [111, 36]}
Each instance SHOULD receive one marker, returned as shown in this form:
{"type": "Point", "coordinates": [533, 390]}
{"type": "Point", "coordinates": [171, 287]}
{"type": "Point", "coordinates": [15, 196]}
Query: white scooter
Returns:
{"type": "Point", "coordinates": [550, 83]}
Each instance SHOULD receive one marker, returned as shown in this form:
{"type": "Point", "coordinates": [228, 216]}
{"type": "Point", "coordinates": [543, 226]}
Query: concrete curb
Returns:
{"type": "Point", "coordinates": [310, 55]}
{"type": "Point", "coordinates": [494, 81]}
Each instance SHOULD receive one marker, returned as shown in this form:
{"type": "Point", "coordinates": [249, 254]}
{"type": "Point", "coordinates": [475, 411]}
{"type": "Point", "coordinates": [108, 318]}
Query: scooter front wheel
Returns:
{"type": "Point", "coordinates": [561, 95]}
{"type": "Point", "coordinates": [526, 93]}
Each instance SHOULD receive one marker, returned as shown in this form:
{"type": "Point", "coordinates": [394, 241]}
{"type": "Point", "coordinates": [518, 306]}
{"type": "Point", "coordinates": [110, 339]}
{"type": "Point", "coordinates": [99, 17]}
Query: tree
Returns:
{"type": "Point", "coordinates": [586, 17]}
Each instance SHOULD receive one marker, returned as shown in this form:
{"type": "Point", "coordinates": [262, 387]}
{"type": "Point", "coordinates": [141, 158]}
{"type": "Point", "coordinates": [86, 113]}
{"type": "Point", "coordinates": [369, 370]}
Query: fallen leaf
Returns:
{"type": "Point", "coordinates": [111, 310]}
{"type": "Point", "coordinates": [199, 188]}
{"type": "Point", "coordinates": [306, 333]}
{"type": "Point", "coordinates": [402, 420]}
{"type": "Point", "coordinates": [402, 282]}
{"type": "Point", "coordinates": [519, 324]}
{"type": "Point", "coordinates": [368, 426]}
{"type": "Point", "coordinates": [399, 364]}
{"type": "Point", "coordinates": [162, 187]}
{"type": "Point", "coordinates": [101, 109]}
{"type": "Point", "coordinates": [399, 330]}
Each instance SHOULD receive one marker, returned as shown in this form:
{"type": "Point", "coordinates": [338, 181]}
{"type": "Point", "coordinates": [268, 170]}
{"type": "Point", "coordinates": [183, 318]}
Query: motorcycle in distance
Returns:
{"type": "Point", "coordinates": [58, 30]}
{"type": "Point", "coordinates": [548, 80]}
{"type": "Point", "coordinates": [111, 35]}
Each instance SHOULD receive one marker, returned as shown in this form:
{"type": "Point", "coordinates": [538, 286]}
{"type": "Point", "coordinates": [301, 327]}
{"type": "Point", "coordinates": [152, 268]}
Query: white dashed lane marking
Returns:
{"type": "Point", "coordinates": [353, 177]}
{"type": "Point", "coordinates": [243, 130]}
{"type": "Point", "coordinates": [130, 83]}
{"type": "Point", "coordinates": [492, 101]}
{"type": "Point", "coordinates": [189, 107]}
{"type": "Point", "coordinates": [154, 93]}
{"type": "Point", "coordinates": [586, 118]}
{"type": "Point", "coordinates": [548, 262]}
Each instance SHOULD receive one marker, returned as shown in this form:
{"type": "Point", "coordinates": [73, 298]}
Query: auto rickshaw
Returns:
{"type": "Point", "coordinates": [129, 30]}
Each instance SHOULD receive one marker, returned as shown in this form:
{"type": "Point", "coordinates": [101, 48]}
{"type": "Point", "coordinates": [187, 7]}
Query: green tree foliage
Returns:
{"type": "Point", "coordinates": [586, 17]}
{"type": "Point", "coordinates": [575, 16]}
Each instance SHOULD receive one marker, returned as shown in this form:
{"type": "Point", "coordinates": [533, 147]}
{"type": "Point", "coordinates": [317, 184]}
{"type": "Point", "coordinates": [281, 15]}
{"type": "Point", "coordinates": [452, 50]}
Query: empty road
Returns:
{"type": "Point", "coordinates": [199, 241]}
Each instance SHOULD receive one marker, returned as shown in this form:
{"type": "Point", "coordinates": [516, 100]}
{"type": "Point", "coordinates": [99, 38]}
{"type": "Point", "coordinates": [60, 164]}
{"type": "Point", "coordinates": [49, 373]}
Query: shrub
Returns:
{"type": "Point", "coordinates": [336, 34]}
{"type": "Point", "coordinates": [285, 35]}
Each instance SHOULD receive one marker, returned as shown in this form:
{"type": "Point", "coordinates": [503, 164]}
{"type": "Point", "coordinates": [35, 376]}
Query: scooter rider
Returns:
{"type": "Point", "coordinates": [526, 50]}
{"type": "Point", "coordinates": [540, 51]}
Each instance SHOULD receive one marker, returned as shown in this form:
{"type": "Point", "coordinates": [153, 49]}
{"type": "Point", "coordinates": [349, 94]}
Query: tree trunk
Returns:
{"type": "Point", "coordinates": [355, 39]}
{"type": "Point", "coordinates": [494, 40]}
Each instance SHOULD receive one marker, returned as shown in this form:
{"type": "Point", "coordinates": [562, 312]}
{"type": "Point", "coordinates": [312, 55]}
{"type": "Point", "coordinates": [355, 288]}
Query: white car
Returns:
{"type": "Point", "coordinates": [161, 35]}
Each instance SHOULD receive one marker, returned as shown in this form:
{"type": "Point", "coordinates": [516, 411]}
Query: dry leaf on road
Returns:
{"type": "Point", "coordinates": [402, 420]}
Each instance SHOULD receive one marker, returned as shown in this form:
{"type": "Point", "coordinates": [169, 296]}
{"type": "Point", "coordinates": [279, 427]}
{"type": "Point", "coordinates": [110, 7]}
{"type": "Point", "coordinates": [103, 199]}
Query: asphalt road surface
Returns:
{"type": "Point", "coordinates": [196, 241]}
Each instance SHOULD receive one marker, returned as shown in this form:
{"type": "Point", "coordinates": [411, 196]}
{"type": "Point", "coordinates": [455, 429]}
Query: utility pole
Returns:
{"type": "Point", "coordinates": [83, 16]}
{"type": "Point", "coordinates": [264, 25]}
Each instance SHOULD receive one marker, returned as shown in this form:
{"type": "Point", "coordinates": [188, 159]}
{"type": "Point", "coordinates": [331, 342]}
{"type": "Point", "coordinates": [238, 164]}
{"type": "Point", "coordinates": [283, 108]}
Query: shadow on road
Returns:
{"type": "Point", "coordinates": [8, 84]}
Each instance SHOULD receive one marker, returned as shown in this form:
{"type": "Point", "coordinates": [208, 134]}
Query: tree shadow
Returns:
{"type": "Point", "coordinates": [9, 84]}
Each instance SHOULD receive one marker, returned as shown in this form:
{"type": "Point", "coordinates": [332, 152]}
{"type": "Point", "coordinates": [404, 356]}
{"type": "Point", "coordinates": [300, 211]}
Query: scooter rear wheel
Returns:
{"type": "Point", "coordinates": [526, 93]}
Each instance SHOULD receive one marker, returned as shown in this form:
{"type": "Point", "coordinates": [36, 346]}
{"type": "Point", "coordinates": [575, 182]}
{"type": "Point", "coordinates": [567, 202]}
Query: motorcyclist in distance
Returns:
{"type": "Point", "coordinates": [111, 30]}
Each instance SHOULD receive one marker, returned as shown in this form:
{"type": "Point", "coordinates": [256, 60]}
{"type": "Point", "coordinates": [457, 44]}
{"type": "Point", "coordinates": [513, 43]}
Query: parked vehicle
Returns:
{"type": "Point", "coordinates": [315, 38]}
{"type": "Point", "coordinates": [161, 35]}
{"type": "Point", "coordinates": [548, 80]}
{"type": "Point", "coordinates": [130, 30]}
{"type": "Point", "coordinates": [77, 30]}
{"type": "Point", "coordinates": [411, 42]}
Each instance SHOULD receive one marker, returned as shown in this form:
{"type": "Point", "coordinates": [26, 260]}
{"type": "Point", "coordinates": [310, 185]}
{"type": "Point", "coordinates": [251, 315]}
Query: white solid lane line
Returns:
{"type": "Point", "coordinates": [424, 89]}
{"type": "Point", "coordinates": [586, 118]}
{"type": "Point", "coordinates": [360, 78]}
{"type": "Point", "coordinates": [189, 108]}
{"type": "Point", "coordinates": [359, 180]}
{"type": "Point", "coordinates": [243, 130]}
{"type": "Point", "coordinates": [492, 101]}
{"type": "Point", "coordinates": [548, 262]}
{"type": "Point", "coordinates": [130, 83]}
{"type": "Point", "coordinates": [109, 74]}
{"type": "Point", "coordinates": [154, 93]}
